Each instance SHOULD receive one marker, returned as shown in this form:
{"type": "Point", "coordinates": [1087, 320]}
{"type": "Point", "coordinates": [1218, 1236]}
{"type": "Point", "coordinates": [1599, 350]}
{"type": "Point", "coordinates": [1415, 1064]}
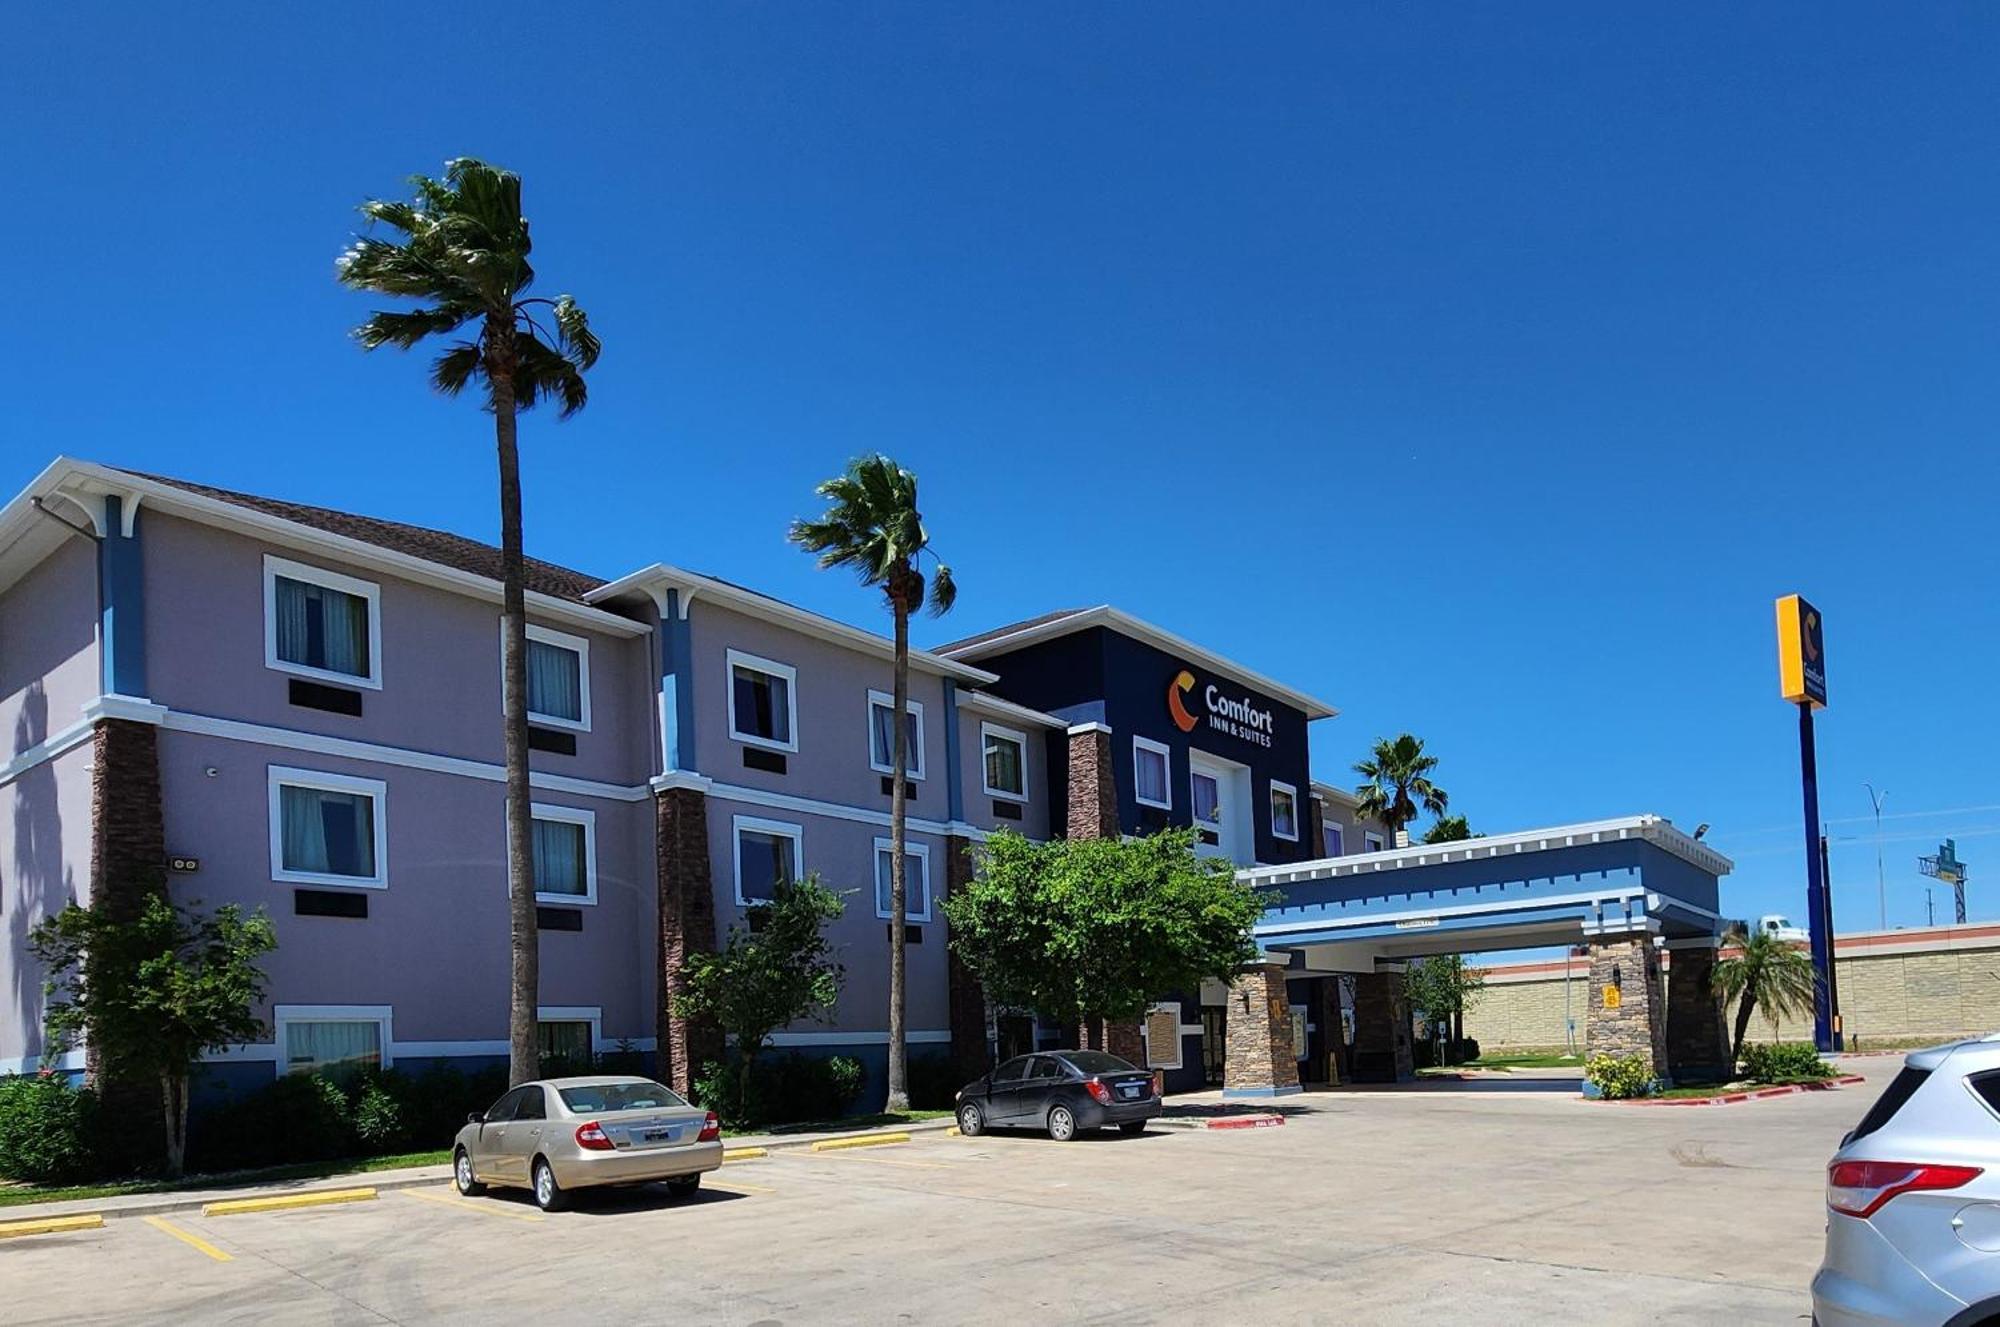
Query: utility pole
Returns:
{"type": "Point", "coordinates": [1930, 908]}
{"type": "Point", "coordinates": [1881, 887]}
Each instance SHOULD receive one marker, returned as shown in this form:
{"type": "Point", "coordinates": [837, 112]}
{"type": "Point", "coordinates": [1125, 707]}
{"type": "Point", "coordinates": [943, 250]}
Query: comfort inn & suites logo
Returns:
{"type": "Point", "coordinates": [1182, 684]}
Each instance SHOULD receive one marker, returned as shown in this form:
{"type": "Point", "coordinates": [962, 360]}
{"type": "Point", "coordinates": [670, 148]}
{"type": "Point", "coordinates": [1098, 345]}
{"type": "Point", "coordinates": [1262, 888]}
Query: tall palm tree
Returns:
{"type": "Point", "coordinates": [1449, 829]}
{"type": "Point", "coordinates": [1765, 971]}
{"type": "Point", "coordinates": [1398, 785]}
{"type": "Point", "coordinates": [872, 526]}
{"type": "Point", "coordinates": [461, 252]}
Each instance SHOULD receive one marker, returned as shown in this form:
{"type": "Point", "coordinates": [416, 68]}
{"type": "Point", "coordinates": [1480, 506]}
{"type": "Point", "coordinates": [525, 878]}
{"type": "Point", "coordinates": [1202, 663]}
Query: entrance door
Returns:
{"type": "Point", "coordinates": [1219, 794]}
{"type": "Point", "coordinates": [1214, 1042]}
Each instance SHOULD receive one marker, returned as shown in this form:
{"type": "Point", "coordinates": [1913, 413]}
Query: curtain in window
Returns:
{"type": "Point", "coordinates": [337, 1050]}
{"type": "Point", "coordinates": [916, 886]}
{"type": "Point", "coordinates": [763, 706]}
{"type": "Point", "coordinates": [322, 628]}
{"type": "Point", "coordinates": [294, 627]}
{"type": "Point", "coordinates": [885, 736]}
{"type": "Point", "coordinates": [559, 864]}
{"type": "Point", "coordinates": [762, 860]}
{"type": "Point", "coordinates": [555, 682]}
{"type": "Point", "coordinates": [565, 1040]}
{"type": "Point", "coordinates": [1003, 765]}
{"type": "Point", "coordinates": [1152, 775]}
{"type": "Point", "coordinates": [331, 833]}
{"type": "Point", "coordinates": [1331, 835]}
{"type": "Point", "coordinates": [1284, 819]}
{"type": "Point", "coordinates": [1207, 800]}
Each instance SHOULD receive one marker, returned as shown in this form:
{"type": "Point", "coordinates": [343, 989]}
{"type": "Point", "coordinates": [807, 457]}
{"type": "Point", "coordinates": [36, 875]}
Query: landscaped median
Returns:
{"type": "Point", "coordinates": [1731, 1097]}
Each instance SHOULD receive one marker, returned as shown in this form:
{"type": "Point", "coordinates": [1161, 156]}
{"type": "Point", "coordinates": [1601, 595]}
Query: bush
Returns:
{"type": "Point", "coordinates": [934, 1082]}
{"type": "Point", "coordinates": [1784, 1062]}
{"type": "Point", "coordinates": [305, 1118]}
{"type": "Point", "coordinates": [378, 1119]}
{"type": "Point", "coordinates": [48, 1130]}
{"type": "Point", "coordinates": [1617, 1077]}
{"type": "Point", "coordinates": [784, 1089]}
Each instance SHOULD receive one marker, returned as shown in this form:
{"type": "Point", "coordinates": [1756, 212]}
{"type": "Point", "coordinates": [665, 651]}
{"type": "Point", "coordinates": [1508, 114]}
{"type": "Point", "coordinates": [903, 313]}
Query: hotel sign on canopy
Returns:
{"type": "Point", "coordinates": [1238, 717]}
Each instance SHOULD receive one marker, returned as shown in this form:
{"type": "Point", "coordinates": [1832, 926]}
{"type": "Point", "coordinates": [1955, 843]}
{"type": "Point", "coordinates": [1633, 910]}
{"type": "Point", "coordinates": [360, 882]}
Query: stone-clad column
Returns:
{"type": "Point", "coordinates": [687, 926]}
{"type": "Point", "coordinates": [1382, 1049]}
{"type": "Point", "coordinates": [1093, 783]}
{"type": "Point", "coordinates": [971, 1051]}
{"type": "Point", "coordinates": [1697, 1035]}
{"type": "Point", "coordinates": [1258, 1057]}
{"type": "Point", "coordinates": [1627, 1013]}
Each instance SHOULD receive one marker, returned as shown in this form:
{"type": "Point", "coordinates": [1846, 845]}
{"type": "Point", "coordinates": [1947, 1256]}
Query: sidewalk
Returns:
{"type": "Point", "coordinates": [193, 1199]}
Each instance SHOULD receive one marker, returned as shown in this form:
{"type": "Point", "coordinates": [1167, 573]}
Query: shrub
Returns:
{"type": "Point", "coordinates": [378, 1118]}
{"type": "Point", "coordinates": [48, 1130]}
{"type": "Point", "coordinates": [1617, 1077]}
{"type": "Point", "coordinates": [784, 1089]}
{"type": "Point", "coordinates": [1784, 1062]}
{"type": "Point", "coordinates": [934, 1082]}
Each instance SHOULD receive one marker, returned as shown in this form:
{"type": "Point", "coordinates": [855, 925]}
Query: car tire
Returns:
{"type": "Point", "coordinates": [1132, 1127]}
{"type": "Point", "coordinates": [1062, 1123]}
{"type": "Point", "coordinates": [549, 1195]}
{"type": "Point", "coordinates": [461, 1175]}
{"type": "Point", "coordinates": [971, 1120]}
{"type": "Point", "coordinates": [684, 1186]}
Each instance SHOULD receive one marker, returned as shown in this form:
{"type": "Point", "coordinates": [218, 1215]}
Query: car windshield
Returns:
{"type": "Point", "coordinates": [1097, 1062]}
{"type": "Point", "coordinates": [592, 1098]}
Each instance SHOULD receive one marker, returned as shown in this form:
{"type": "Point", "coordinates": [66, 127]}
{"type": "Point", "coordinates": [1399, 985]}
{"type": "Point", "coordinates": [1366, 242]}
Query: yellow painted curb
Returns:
{"type": "Point", "coordinates": [745, 1153]}
{"type": "Point", "coordinates": [954, 1132]}
{"type": "Point", "coordinates": [319, 1198]}
{"type": "Point", "coordinates": [52, 1225]}
{"type": "Point", "coordinates": [865, 1140]}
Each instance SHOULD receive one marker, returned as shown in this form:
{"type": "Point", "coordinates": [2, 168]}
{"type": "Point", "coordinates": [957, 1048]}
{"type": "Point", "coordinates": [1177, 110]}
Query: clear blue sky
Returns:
{"type": "Point", "coordinates": [1486, 369]}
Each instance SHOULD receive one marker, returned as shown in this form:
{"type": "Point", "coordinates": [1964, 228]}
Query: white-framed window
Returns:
{"type": "Point", "coordinates": [569, 1032]}
{"type": "Point", "coordinates": [328, 829]}
{"type": "Point", "coordinates": [1205, 798]}
{"type": "Point", "coordinates": [558, 677]}
{"type": "Point", "coordinates": [1284, 811]}
{"type": "Point", "coordinates": [322, 624]}
{"type": "Point", "coordinates": [766, 851]}
{"type": "Point", "coordinates": [1330, 840]}
{"type": "Point", "coordinates": [564, 841]}
{"type": "Point", "coordinates": [1152, 782]}
{"type": "Point", "coordinates": [1161, 1032]}
{"type": "Point", "coordinates": [1004, 760]}
{"type": "Point", "coordinates": [916, 881]}
{"type": "Point", "coordinates": [336, 1040]}
{"type": "Point", "coordinates": [763, 702]}
{"type": "Point", "coordinates": [1371, 841]}
{"type": "Point", "coordinates": [882, 737]}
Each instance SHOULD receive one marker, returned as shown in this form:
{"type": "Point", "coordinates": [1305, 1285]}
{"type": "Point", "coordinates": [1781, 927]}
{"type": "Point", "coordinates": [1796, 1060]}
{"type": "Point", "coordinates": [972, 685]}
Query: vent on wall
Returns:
{"type": "Point", "coordinates": [320, 696]}
{"type": "Point", "coordinates": [552, 740]}
{"type": "Point", "coordinates": [328, 903]}
{"type": "Point", "coordinates": [771, 762]}
{"type": "Point", "coordinates": [1006, 810]}
{"type": "Point", "coordinates": [559, 919]}
{"type": "Point", "coordinates": [912, 935]}
{"type": "Point", "coordinates": [889, 788]}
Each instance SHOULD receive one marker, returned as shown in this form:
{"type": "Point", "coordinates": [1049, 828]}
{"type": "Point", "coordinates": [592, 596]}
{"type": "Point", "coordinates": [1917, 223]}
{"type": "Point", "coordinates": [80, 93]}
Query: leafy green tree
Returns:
{"type": "Point", "coordinates": [156, 991]}
{"type": "Point", "coordinates": [872, 526]}
{"type": "Point", "coordinates": [1398, 783]}
{"type": "Point", "coordinates": [1764, 972]}
{"type": "Point", "coordinates": [463, 255]}
{"type": "Point", "coordinates": [1449, 829]}
{"type": "Point", "coordinates": [1099, 928]}
{"type": "Point", "coordinates": [776, 969]}
{"type": "Point", "coordinates": [1442, 987]}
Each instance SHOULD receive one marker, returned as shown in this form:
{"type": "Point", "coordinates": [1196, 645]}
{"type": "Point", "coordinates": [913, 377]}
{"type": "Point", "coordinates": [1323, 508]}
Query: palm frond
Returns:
{"type": "Point", "coordinates": [573, 334]}
{"type": "Point", "coordinates": [542, 373]}
{"type": "Point", "coordinates": [403, 330]}
{"type": "Point", "coordinates": [944, 591]}
{"type": "Point", "coordinates": [456, 367]}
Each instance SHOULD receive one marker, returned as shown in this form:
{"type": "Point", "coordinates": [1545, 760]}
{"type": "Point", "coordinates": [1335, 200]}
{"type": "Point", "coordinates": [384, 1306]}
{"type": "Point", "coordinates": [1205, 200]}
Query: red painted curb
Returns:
{"type": "Point", "coordinates": [1758, 1094]}
{"type": "Point", "coordinates": [1246, 1122]}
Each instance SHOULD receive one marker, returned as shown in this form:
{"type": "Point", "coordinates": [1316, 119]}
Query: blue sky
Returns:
{"type": "Point", "coordinates": [1485, 369]}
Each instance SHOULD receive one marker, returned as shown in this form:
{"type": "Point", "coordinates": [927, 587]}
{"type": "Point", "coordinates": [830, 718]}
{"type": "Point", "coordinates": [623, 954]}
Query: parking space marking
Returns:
{"type": "Point", "coordinates": [735, 1186]}
{"type": "Point", "coordinates": [843, 1159]}
{"type": "Point", "coordinates": [467, 1205]}
{"type": "Point", "coordinates": [187, 1237]}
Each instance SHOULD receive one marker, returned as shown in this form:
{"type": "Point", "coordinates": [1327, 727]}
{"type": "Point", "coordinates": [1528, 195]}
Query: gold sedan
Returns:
{"type": "Point", "coordinates": [557, 1135]}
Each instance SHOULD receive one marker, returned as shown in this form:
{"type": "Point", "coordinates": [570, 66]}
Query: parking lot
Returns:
{"type": "Point", "coordinates": [1506, 1201]}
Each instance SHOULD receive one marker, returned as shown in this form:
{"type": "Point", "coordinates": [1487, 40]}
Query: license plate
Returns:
{"type": "Point", "coordinates": [659, 1135]}
{"type": "Point", "coordinates": [1129, 1091]}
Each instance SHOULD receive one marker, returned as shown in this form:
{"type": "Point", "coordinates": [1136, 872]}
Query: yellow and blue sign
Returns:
{"type": "Point", "coordinates": [1801, 653]}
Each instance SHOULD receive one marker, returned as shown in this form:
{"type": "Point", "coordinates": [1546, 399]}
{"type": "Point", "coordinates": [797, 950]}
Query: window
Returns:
{"type": "Point", "coordinates": [767, 851]}
{"type": "Point", "coordinates": [1013, 1071]}
{"type": "Point", "coordinates": [565, 854]}
{"type": "Point", "coordinates": [596, 1098]}
{"type": "Point", "coordinates": [558, 677]}
{"type": "Point", "coordinates": [1150, 784]}
{"type": "Point", "coordinates": [1330, 841]}
{"type": "Point", "coordinates": [322, 624]}
{"type": "Point", "coordinates": [916, 881]}
{"type": "Point", "coordinates": [1004, 752]}
{"type": "Point", "coordinates": [1371, 842]}
{"type": "Point", "coordinates": [1207, 791]}
{"type": "Point", "coordinates": [328, 829]}
{"type": "Point", "coordinates": [763, 704]}
{"type": "Point", "coordinates": [882, 737]}
{"type": "Point", "coordinates": [336, 1041]}
{"type": "Point", "coordinates": [1284, 811]}
{"type": "Point", "coordinates": [571, 1040]}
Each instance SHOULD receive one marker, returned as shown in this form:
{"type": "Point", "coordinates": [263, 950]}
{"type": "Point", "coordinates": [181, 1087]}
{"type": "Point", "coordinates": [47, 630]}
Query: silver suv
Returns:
{"type": "Point", "coordinates": [1913, 1198]}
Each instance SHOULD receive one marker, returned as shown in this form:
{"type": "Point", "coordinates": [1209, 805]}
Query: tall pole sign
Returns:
{"type": "Point", "coordinates": [1802, 681]}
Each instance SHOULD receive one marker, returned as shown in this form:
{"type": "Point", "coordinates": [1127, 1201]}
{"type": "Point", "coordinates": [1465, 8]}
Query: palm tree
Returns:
{"type": "Point", "coordinates": [1765, 971]}
{"type": "Point", "coordinates": [873, 526]}
{"type": "Point", "coordinates": [1398, 783]}
{"type": "Point", "coordinates": [462, 254]}
{"type": "Point", "coordinates": [1449, 829]}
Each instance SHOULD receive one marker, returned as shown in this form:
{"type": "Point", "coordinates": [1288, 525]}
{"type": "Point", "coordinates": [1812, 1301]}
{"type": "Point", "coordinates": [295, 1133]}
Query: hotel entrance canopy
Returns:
{"type": "Point", "coordinates": [1563, 886]}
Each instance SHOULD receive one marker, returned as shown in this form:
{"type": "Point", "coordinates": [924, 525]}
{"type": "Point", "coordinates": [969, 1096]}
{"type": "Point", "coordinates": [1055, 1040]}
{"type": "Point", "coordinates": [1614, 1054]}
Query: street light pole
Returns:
{"type": "Point", "coordinates": [1881, 889]}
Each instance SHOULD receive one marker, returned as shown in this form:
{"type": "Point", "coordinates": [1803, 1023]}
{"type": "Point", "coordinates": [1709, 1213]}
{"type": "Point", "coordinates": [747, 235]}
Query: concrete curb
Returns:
{"type": "Point", "coordinates": [1221, 1122]}
{"type": "Point", "coordinates": [1750, 1094]}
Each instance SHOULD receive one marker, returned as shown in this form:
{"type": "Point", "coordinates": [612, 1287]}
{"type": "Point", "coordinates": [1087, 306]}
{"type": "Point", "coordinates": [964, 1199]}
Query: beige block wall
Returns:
{"type": "Point", "coordinates": [1529, 1013]}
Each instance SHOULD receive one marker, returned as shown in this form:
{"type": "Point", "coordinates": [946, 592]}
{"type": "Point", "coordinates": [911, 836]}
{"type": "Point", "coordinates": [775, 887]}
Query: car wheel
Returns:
{"type": "Point", "coordinates": [1062, 1123]}
{"type": "Point", "coordinates": [461, 1174]}
{"type": "Point", "coordinates": [549, 1195]}
{"type": "Point", "coordinates": [971, 1120]}
{"type": "Point", "coordinates": [1135, 1126]}
{"type": "Point", "coordinates": [684, 1186]}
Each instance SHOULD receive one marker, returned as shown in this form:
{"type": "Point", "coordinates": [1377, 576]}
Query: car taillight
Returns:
{"type": "Point", "coordinates": [1858, 1188]}
{"type": "Point", "coordinates": [1098, 1091]}
{"type": "Point", "coordinates": [711, 1130]}
{"type": "Point", "coordinates": [592, 1138]}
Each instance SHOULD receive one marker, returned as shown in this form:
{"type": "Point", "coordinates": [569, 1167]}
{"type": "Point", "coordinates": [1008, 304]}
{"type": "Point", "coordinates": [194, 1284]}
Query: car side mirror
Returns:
{"type": "Point", "coordinates": [477, 1117]}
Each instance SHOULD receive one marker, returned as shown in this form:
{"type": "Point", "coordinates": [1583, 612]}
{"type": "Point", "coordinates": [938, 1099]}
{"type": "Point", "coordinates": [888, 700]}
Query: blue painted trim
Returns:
{"type": "Point", "coordinates": [954, 780]}
{"type": "Point", "coordinates": [121, 604]}
{"type": "Point", "coordinates": [677, 688]}
{"type": "Point", "coordinates": [1258, 1093]}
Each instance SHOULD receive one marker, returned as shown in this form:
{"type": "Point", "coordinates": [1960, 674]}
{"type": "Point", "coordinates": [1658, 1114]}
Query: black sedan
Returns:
{"type": "Point", "coordinates": [1060, 1091]}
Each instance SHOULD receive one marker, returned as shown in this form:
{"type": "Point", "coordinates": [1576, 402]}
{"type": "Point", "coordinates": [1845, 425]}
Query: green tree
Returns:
{"type": "Point", "coordinates": [776, 969]}
{"type": "Point", "coordinates": [1398, 784]}
{"type": "Point", "coordinates": [1442, 987]}
{"type": "Point", "coordinates": [872, 526]}
{"type": "Point", "coordinates": [1099, 928]}
{"type": "Point", "coordinates": [1449, 829]}
{"type": "Point", "coordinates": [1764, 972]}
{"type": "Point", "coordinates": [463, 255]}
{"type": "Point", "coordinates": [155, 992]}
